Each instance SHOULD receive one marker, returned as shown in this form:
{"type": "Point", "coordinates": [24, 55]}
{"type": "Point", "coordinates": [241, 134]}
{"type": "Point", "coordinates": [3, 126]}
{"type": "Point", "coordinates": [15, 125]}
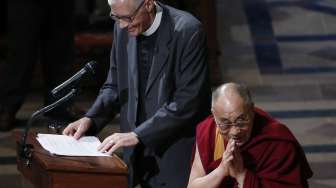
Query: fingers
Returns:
{"type": "Point", "coordinates": [77, 128]}
{"type": "Point", "coordinates": [109, 147]}
{"type": "Point", "coordinates": [236, 152]}
{"type": "Point", "coordinates": [107, 140]}
{"type": "Point", "coordinates": [80, 131]}
{"type": "Point", "coordinates": [230, 158]}
{"type": "Point", "coordinates": [229, 153]}
{"type": "Point", "coordinates": [117, 140]}
{"type": "Point", "coordinates": [69, 130]}
{"type": "Point", "coordinates": [230, 147]}
{"type": "Point", "coordinates": [110, 144]}
{"type": "Point", "coordinates": [114, 148]}
{"type": "Point", "coordinates": [66, 131]}
{"type": "Point", "coordinates": [104, 148]}
{"type": "Point", "coordinates": [236, 164]}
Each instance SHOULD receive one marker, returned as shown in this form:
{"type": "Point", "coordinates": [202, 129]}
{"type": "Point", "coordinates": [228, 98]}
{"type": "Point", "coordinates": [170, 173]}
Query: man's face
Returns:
{"type": "Point", "coordinates": [136, 19]}
{"type": "Point", "coordinates": [234, 120]}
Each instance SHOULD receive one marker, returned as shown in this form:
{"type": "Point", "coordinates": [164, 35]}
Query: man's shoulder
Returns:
{"type": "Point", "coordinates": [206, 123]}
{"type": "Point", "coordinates": [271, 135]}
{"type": "Point", "coordinates": [271, 143]}
{"type": "Point", "coordinates": [180, 19]}
{"type": "Point", "coordinates": [268, 127]}
{"type": "Point", "coordinates": [204, 130]}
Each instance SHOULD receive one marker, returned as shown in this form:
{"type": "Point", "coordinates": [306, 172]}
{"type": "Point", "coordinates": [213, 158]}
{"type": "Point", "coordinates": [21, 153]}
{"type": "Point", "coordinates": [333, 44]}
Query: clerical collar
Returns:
{"type": "Point", "coordinates": [156, 23]}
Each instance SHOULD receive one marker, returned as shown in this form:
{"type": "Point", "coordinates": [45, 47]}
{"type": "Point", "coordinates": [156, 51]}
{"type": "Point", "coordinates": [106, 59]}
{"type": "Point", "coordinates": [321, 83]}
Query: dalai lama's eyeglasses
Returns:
{"type": "Point", "coordinates": [129, 18]}
{"type": "Point", "coordinates": [240, 122]}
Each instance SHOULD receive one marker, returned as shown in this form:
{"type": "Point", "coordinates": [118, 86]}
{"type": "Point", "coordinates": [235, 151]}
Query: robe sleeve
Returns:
{"type": "Point", "coordinates": [280, 168]}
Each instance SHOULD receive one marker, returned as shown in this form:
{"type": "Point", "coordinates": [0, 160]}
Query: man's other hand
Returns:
{"type": "Point", "coordinates": [236, 167]}
{"type": "Point", "coordinates": [78, 128]}
{"type": "Point", "coordinates": [227, 157]}
{"type": "Point", "coordinates": [117, 140]}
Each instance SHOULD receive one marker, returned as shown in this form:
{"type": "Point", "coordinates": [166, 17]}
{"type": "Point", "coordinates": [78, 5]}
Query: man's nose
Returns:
{"type": "Point", "coordinates": [234, 131]}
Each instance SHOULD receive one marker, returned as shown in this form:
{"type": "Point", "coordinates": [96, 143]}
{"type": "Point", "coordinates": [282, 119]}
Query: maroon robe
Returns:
{"type": "Point", "coordinates": [273, 157]}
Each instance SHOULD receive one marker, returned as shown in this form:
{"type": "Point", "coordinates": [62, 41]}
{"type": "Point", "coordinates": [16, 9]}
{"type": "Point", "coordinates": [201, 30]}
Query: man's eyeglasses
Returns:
{"type": "Point", "coordinates": [129, 18]}
{"type": "Point", "coordinates": [240, 122]}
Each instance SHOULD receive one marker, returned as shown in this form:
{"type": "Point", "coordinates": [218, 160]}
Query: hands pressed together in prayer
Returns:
{"type": "Point", "coordinates": [78, 128]}
{"type": "Point", "coordinates": [232, 163]}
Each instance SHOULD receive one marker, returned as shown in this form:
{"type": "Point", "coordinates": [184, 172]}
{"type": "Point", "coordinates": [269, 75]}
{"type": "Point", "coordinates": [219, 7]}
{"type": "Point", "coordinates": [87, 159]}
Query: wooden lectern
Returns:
{"type": "Point", "coordinates": [50, 171]}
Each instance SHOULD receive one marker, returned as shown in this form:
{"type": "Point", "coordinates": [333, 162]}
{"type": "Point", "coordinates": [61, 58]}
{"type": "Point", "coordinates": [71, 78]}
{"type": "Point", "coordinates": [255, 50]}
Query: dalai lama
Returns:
{"type": "Point", "coordinates": [242, 146]}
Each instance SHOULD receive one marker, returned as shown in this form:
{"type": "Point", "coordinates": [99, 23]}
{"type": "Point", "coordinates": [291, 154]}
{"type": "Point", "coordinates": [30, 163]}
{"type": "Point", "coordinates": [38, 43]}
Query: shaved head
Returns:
{"type": "Point", "coordinates": [232, 109]}
{"type": "Point", "coordinates": [232, 92]}
{"type": "Point", "coordinates": [134, 3]}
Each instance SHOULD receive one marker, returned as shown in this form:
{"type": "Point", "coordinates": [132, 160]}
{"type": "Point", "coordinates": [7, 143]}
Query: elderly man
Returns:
{"type": "Point", "coordinates": [158, 81]}
{"type": "Point", "coordinates": [243, 146]}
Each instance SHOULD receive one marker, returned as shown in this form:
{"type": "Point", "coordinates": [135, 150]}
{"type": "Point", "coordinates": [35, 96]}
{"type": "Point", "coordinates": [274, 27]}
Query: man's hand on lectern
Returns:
{"type": "Point", "coordinates": [117, 140]}
{"type": "Point", "coordinates": [78, 128]}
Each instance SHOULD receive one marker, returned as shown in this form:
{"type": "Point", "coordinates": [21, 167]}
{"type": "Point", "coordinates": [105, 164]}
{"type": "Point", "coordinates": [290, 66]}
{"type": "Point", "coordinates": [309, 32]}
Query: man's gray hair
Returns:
{"type": "Point", "coordinates": [240, 89]}
{"type": "Point", "coordinates": [135, 2]}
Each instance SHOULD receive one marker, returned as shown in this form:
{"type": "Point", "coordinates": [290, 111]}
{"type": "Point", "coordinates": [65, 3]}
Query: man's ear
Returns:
{"type": "Point", "coordinates": [212, 110]}
{"type": "Point", "coordinates": [149, 5]}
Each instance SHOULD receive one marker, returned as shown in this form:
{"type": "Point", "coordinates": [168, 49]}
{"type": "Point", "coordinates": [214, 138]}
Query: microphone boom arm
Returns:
{"type": "Point", "coordinates": [25, 151]}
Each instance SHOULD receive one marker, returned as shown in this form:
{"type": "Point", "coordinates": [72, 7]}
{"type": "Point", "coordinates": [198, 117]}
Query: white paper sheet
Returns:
{"type": "Point", "coordinates": [68, 146]}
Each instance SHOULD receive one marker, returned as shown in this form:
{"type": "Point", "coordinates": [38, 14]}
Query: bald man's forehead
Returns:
{"type": "Point", "coordinates": [111, 2]}
{"type": "Point", "coordinates": [122, 7]}
{"type": "Point", "coordinates": [229, 104]}
{"type": "Point", "coordinates": [230, 98]}
{"type": "Point", "coordinates": [118, 3]}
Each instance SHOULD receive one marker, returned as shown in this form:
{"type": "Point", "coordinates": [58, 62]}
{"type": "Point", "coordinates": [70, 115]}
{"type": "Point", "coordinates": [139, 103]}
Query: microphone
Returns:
{"type": "Point", "coordinates": [26, 149]}
{"type": "Point", "coordinates": [88, 68]}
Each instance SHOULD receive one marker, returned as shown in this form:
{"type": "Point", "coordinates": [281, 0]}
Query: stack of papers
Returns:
{"type": "Point", "coordinates": [69, 146]}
